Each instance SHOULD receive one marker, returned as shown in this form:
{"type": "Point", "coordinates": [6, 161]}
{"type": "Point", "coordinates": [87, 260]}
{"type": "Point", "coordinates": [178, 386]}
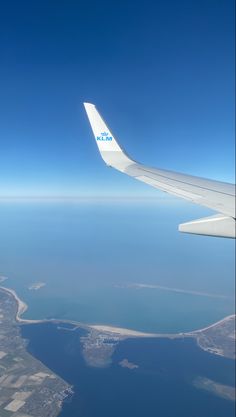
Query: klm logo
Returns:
{"type": "Point", "coordinates": [104, 136]}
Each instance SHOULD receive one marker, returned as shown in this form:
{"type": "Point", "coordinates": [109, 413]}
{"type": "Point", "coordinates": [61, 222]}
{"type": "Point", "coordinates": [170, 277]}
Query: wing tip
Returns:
{"type": "Point", "coordinates": [87, 105]}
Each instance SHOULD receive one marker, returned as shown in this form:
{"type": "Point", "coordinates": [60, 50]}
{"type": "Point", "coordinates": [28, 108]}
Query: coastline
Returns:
{"type": "Point", "coordinates": [217, 323]}
{"type": "Point", "coordinates": [21, 307]}
{"type": "Point", "coordinates": [104, 328]}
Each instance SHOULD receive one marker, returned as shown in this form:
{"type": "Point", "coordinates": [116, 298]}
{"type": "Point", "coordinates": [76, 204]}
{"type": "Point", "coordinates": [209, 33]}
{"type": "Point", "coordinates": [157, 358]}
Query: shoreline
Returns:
{"type": "Point", "coordinates": [21, 307]}
{"type": "Point", "coordinates": [103, 328]}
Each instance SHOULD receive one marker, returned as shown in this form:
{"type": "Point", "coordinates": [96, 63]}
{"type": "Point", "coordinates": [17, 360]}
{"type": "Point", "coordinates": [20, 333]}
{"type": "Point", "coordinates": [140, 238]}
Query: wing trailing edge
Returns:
{"type": "Point", "coordinates": [216, 225]}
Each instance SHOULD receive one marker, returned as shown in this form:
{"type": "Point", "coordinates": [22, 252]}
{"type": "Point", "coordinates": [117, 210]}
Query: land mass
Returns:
{"type": "Point", "coordinates": [27, 387]}
{"type": "Point", "coordinates": [218, 338]}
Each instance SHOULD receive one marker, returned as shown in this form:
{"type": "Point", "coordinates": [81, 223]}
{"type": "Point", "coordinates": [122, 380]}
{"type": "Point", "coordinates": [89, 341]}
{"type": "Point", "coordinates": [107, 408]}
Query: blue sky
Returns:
{"type": "Point", "coordinates": [160, 72]}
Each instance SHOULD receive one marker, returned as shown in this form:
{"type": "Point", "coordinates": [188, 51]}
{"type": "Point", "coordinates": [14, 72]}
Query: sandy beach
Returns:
{"type": "Point", "coordinates": [22, 307]}
{"type": "Point", "coordinates": [121, 331]}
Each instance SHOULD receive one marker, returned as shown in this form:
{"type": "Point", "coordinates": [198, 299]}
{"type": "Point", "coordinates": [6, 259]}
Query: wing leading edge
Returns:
{"type": "Point", "coordinates": [216, 195]}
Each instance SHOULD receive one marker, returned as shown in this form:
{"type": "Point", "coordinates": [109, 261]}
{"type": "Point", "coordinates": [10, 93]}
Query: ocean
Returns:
{"type": "Point", "coordinates": [92, 256]}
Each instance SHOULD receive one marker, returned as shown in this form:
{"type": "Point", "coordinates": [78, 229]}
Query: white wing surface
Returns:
{"type": "Point", "coordinates": [216, 195]}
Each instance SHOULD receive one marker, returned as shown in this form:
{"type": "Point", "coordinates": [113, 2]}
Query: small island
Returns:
{"type": "Point", "coordinates": [126, 364]}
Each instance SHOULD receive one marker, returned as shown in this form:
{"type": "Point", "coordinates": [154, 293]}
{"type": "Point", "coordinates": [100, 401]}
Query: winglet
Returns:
{"type": "Point", "coordinates": [108, 146]}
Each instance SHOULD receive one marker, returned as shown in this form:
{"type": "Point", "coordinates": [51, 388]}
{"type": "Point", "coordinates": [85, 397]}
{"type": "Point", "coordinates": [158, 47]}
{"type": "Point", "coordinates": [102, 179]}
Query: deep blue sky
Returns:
{"type": "Point", "coordinates": [161, 72]}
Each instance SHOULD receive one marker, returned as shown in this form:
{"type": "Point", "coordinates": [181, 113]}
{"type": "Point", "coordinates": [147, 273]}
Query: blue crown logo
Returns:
{"type": "Point", "coordinates": [104, 136]}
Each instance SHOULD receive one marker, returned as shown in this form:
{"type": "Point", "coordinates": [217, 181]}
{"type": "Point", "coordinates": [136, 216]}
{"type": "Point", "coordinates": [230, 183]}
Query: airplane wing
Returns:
{"type": "Point", "coordinates": [216, 195]}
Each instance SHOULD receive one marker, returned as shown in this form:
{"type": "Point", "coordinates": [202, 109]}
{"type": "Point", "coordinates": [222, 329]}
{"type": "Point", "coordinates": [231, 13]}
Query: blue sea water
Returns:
{"type": "Point", "coordinates": [89, 253]}
{"type": "Point", "coordinates": [162, 385]}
